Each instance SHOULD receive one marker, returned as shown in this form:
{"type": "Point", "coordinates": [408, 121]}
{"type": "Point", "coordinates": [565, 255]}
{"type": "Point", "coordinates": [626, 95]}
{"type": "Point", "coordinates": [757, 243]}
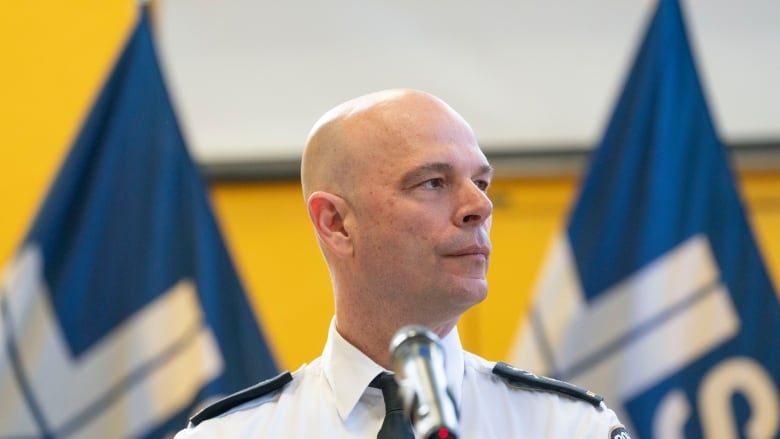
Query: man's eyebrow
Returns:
{"type": "Point", "coordinates": [486, 170]}
{"type": "Point", "coordinates": [422, 171]}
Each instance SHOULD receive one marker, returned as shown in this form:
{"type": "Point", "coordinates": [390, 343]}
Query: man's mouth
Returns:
{"type": "Point", "coordinates": [476, 250]}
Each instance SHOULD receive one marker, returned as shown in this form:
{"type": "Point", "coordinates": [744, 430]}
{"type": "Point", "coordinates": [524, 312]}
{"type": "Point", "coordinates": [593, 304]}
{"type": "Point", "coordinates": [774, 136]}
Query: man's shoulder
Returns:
{"type": "Point", "coordinates": [515, 392]}
{"type": "Point", "coordinates": [256, 392]}
{"type": "Point", "coordinates": [257, 407]}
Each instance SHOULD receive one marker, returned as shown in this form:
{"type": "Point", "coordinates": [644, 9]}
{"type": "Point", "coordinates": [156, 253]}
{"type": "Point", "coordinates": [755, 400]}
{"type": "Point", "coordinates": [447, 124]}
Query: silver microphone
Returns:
{"type": "Point", "coordinates": [418, 363]}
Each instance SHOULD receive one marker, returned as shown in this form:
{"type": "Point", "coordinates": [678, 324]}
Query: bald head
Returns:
{"type": "Point", "coordinates": [395, 184]}
{"type": "Point", "coordinates": [361, 131]}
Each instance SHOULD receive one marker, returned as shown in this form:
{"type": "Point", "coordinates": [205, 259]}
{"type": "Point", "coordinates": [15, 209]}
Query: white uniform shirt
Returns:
{"type": "Point", "coordinates": [330, 398]}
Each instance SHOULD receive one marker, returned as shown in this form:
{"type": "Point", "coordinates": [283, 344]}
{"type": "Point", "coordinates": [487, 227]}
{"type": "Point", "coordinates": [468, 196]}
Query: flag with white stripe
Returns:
{"type": "Point", "coordinates": [122, 312]}
{"type": "Point", "coordinates": [656, 295]}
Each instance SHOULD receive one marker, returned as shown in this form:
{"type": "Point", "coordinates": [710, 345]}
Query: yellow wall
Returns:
{"type": "Point", "coordinates": [55, 56]}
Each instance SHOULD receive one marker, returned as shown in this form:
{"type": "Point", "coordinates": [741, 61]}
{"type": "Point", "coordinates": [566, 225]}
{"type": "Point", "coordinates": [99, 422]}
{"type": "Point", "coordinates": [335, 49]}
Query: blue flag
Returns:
{"type": "Point", "coordinates": [655, 295]}
{"type": "Point", "coordinates": [122, 312]}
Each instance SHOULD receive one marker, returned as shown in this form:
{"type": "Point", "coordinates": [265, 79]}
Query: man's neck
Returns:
{"type": "Point", "coordinates": [373, 336]}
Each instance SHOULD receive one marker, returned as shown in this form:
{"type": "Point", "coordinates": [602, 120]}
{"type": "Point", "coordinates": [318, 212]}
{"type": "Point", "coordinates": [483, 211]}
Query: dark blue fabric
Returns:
{"type": "Point", "coordinates": [127, 218]}
{"type": "Point", "coordinates": [660, 176]}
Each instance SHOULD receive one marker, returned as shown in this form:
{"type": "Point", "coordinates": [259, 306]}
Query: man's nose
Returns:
{"type": "Point", "coordinates": [474, 206]}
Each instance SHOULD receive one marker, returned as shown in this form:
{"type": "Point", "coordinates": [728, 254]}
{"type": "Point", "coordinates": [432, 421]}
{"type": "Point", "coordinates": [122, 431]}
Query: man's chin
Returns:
{"type": "Point", "coordinates": [473, 291]}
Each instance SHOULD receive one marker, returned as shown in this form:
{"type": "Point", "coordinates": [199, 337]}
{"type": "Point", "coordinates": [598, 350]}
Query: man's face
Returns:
{"type": "Point", "coordinates": [421, 215]}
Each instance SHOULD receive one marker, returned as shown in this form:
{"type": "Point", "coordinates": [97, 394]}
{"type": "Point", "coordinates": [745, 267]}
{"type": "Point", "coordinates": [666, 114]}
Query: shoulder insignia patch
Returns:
{"type": "Point", "coordinates": [619, 432]}
{"type": "Point", "coordinates": [524, 378]}
{"type": "Point", "coordinates": [223, 405]}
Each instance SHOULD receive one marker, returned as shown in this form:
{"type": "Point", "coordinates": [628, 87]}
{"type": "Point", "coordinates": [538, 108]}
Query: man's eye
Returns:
{"type": "Point", "coordinates": [434, 183]}
{"type": "Point", "coordinates": [482, 185]}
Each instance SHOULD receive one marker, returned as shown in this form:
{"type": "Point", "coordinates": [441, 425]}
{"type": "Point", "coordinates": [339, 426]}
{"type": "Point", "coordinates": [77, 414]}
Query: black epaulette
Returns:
{"type": "Point", "coordinates": [524, 378]}
{"type": "Point", "coordinates": [240, 397]}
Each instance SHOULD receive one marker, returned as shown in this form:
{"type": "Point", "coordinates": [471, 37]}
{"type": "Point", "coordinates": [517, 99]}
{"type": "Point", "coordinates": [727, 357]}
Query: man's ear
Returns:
{"type": "Point", "coordinates": [327, 212]}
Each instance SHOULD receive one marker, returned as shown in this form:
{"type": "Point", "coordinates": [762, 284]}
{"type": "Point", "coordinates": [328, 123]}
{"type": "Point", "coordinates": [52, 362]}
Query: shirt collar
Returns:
{"type": "Point", "coordinates": [349, 371]}
{"type": "Point", "coordinates": [454, 363]}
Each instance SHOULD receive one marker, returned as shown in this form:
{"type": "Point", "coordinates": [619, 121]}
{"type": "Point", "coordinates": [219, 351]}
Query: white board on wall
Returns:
{"type": "Point", "coordinates": [250, 77]}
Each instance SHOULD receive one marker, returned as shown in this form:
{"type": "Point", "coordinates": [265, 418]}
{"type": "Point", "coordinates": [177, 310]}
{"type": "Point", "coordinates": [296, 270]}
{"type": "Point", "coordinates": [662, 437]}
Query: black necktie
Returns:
{"type": "Point", "coordinates": [395, 425]}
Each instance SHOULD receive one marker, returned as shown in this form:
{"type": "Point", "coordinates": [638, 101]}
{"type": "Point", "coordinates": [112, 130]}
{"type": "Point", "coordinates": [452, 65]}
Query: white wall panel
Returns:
{"type": "Point", "coordinates": [250, 77]}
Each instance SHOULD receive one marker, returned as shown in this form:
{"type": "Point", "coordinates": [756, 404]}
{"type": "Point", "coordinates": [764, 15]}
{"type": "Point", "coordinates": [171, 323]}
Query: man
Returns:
{"type": "Point", "coordinates": [395, 185]}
